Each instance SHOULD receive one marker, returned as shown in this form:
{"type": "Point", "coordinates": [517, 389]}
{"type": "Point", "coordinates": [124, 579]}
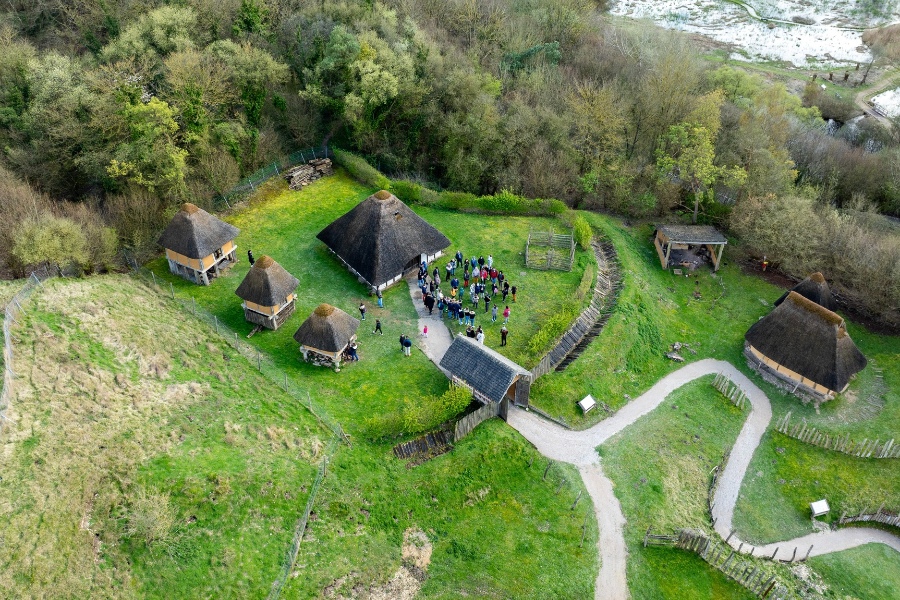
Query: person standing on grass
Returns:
{"type": "Point", "coordinates": [459, 258]}
{"type": "Point", "coordinates": [461, 317]}
{"type": "Point", "coordinates": [490, 261]}
{"type": "Point", "coordinates": [506, 315]}
{"type": "Point", "coordinates": [474, 262]}
{"type": "Point", "coordinates": [500, 277]}
{"type": "Point", "coordinates": [513, 290]}
{"type": "Point", "coordinates": [487, 303]}
{"type": "Point", "coordinates": [402, 345]}
{"type": "Point", "coordinates": [472, 316]}
{"type": "Point", "coordinates": [494, 274]}
{"type": "Point", "coordinates": [250, 257]}
{"type": "Point", "coordinates": [503, 333]}
{"type": "Point", "coordinates": [479, 336]}
{"type": "Point", "coordinates": [494, 289]}
{"type": "Point", "coordinates": [362, 310]}
{"type": "Point", "coordinates": [505, 290]}
{"type": "Point", "coordinates": [407, 346]}
{"type": "Point", "coordinates": [378, 327]}
{"type": "Point", "coordinates": [481, 262]}
{"type": "Point", "coordinates": [436, 276]}
{"type": "Point", "coordinates": [380, 299]}
{"type": "Point", "coordinates": [475, 299]}
{"type": "Point", "coordinates": [494, 313]}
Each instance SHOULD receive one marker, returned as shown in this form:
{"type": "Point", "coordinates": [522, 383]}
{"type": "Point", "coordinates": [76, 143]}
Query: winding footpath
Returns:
{"type": "Point", "coordinates": [579, 449]}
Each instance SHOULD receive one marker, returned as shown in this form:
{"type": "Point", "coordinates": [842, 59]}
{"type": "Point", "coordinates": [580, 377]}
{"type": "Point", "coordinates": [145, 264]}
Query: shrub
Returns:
{"type": "Point", "coordinates": [457, 200]}
{"type": "Point", "coordinates": [420, 415]}
{"type": "Point", "coordinates": [50, 240]}
{"type": "Point", "coordinates": [361, 170]}
{"type": "Point", "coordinates": [408, 191]}
{"type": "Point", "coordinates": [587, 281]}
{"type": "Point", "coordinates": [552, 327]}
{"type": "Point", "coordinates": [503, 202]}
{"type": "Point", "coordinates": [583, 232]}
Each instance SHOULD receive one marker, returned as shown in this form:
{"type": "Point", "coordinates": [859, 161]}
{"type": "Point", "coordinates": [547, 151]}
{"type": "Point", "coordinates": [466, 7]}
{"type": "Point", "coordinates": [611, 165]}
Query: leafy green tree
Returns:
{"type": "Point", "coordinates": [154, 35]}
{"type": "Point", "coordinates": [251, 71]}
{"type": "Point", "coordinates": [50, 240]}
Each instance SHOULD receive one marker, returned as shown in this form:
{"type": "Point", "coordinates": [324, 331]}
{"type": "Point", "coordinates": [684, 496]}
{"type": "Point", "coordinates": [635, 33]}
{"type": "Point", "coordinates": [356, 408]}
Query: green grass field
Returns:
{"type": "Point", "coordinates": [871, 572]}
{"type": "Point", "coordinates": [660, 468]}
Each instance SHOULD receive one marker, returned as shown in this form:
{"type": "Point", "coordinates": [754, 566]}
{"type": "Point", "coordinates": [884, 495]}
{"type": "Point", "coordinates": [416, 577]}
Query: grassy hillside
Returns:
{"type": "Point", "coordinates": [147, 458]}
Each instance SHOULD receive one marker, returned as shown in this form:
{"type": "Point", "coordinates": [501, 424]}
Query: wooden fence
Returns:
{"type": "Point", "coordinates": [730, 390]}
{"type": "Point", "coordinates": [753, 575]}
{"type": "Point", "coordinates": [839, 443]}
{"type": "Point", "coordinates": [465, 425]}
{"type": "Point", "coordinates": [591, 321]}
{"type": "Point", "coordinates": [546, 250]}
{"type": "Point", "coordinates": [885, 517]}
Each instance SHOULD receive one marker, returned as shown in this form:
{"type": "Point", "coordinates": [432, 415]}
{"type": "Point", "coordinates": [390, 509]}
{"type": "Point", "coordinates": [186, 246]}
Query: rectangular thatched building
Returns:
{"type": "Point", "coordinates": [685, 237]}
{"type": "Point", "coordinates": [490, 375]}
{"type": "Point", "coordinates": [198, 245]}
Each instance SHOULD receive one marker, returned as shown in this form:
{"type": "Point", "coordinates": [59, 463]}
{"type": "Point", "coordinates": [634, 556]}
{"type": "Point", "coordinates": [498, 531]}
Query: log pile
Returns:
{"type": "Point", "coordinates": [302, 175]}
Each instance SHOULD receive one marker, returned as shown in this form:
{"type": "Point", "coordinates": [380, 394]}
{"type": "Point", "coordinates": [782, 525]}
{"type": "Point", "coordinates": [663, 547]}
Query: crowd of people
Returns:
{"type": "Point", "coordinates": [485, 283]}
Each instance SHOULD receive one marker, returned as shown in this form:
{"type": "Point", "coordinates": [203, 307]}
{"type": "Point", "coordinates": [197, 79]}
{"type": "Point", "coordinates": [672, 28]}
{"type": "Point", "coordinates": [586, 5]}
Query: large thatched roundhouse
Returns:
{"type": "Point", "coordinates": [813, 288]}
{"type": "Point", "coordinates": [268, 293]}
{"type": "Point", "coordinates": [325, 335]}
{"type": "Point", "coordinates": [198, 245]}
{"type": "Point", "coordinates": [806, 345]}
{"type": "Point", "coordinates": [381, 239]}
{"type": "Point", "coordinates": [491, 376]}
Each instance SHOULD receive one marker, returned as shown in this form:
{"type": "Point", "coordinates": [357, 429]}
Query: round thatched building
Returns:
{"type": "Point", "coordinates": [325, 335]}
{"type": "Point", "coordinates": [268, 293]}
{"type": "Point", "coordinates": [806, 345]}
{"type": "Point", "coordinates": [381, 239]}
{"type": "Point", "coordinates": [198, 245]}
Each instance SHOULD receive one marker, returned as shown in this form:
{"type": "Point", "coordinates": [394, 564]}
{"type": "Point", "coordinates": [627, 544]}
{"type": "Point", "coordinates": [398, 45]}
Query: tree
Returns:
{"type": "Point", "coordinates": [50, 240]}
{"type": "Point", "coordinates": [884, 45]}
{"type": "Point", "coordinates": [154, 35]}
{"type": "Point", "coordinates": [251, 71]}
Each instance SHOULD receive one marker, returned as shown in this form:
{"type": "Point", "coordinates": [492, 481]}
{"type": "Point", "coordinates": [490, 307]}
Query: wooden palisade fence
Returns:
{"type": "Point", "coordinates": [839, 443]}
{"type": "Point", "coordinates": [591, 321]}
{"type": "Point", "coordinates": [751, 574]}
{"type": "Point", "coordinates": [730, 390]}
{"type": "Point", "coordinates": [885, 517]}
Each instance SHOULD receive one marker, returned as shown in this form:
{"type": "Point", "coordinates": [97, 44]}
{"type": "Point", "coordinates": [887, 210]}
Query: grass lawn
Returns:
{"type": "Point", "coordinates": [871, 572]}
{"type": "Point", "coordinates": [660, 468]}
{"type": "Point", "coordinates": [142, 462]}
{"type": "Point", "coordinates": [785, 475]}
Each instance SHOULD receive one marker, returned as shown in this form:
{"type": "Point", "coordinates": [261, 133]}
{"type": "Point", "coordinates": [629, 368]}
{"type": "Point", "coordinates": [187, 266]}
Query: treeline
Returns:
{"type": "Point", "coordinates": [125, 109]}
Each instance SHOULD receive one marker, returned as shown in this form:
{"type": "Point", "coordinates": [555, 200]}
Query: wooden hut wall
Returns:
{"type": "Point", "coordinates": [199, 264]}
{"type": "Point", "coordinates": [789, 374]}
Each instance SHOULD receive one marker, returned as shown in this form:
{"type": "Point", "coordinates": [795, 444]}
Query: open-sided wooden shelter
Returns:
{"type": "Point", "coordinates": [813, 288]}
{"type": "Point", "coordinates": [381, 239]}
{"type": "Point", "coordinates": [490, 375]}
{"type": "Point", "coordinates": [268, 293]}
{"type": "Point", "coordinates": [325, 334]}
{"type": "Point", "coordinates": [198, 245]}
{"type": "Point", "coordinates": [806, 345]}
{"type": "Point", "coordinates": [687, 237]}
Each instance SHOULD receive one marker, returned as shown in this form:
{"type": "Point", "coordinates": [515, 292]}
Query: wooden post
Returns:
{"type": "Point", "coordinates": [774, 553]}
{"type": "Point", "coordinates": [19, 306]}
{"type": "Point", "coordinates": [236, 341]}
{"type": "Point", "coordinates": [258, 361]}
{"type": "Point", "coordinates": [549, 464]}
{"type": "Point", "coordinates": [216, 321]}
{"type": "Point", "coordinates": [285, 382]}
{"type": "Point", "coordinates": [668, 249]}
{"type": "Point", "coordinates": [729, 536]}
{"type": "Point", "coordinates": [584, 529]}
{"type": "Point", "coordinates": [193, 305]}
{"type": "Point", "coordinates": [561, 483]}
{"type": "Point", "coordinates": [808, 552]}
{"type": "Point", "coordinates": [574, 504]}
{"type": "Point", "coordinates": [172, 288]}
{"type": "Point", "coordinates": [530, 462]}
{"type": "Point", "coordinates": [154, 278]}
{"type": "Point", "coordinates": [794, 555]}
{"type": "Point", "coordinates": [647, 535]}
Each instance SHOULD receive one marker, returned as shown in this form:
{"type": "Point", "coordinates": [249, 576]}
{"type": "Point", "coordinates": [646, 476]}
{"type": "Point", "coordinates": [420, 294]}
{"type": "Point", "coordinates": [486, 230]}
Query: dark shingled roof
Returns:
{"type": "Point", "coordinates": [267, 283]}
{"type": "Point", "coordinates": [813, 288]}
{"type": "Point", "coordinates": [327, 328]}
{"type": "Point", "coordinates": [381, 236]}
{"type": "Point", "coordinates": [195, 233]}
{"type": "Point", "coordinates": [484, 369]}
{"type": "Point", "coordinates": [808, 339]}
{"type": "Point", "coordinates": [692, 234]}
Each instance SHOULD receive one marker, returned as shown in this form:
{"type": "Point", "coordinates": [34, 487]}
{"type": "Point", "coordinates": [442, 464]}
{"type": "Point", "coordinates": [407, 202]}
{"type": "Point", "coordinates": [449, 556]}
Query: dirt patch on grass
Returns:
{"type": "Point", "coordinates": [417, 548]}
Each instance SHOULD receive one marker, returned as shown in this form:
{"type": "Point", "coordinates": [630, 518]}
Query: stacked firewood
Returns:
{"type": "Point", "coordinates": [303, 175]}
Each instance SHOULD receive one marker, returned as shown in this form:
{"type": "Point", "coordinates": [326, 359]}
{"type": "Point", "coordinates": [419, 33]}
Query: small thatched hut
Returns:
{"type": "Point", "coordinates": [806, 345]}
{"type": "Point", "coordinates": [325, 335]}
{"type": "Point", "coordinates": [268, 293]}
{"type": "Point", "coordinates": [198, 245]}
{"type": "Point", "coordinates": [490, 375]}
{"type": "Point", "coordinates": [381, 239]}
{"type": "Point", "coordinates": [813, 288]}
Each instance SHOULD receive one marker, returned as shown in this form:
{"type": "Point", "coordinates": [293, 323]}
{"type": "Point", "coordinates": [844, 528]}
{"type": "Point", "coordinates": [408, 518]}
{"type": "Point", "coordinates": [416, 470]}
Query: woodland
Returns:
{"type": "Point", "coordinates": [113, 113]}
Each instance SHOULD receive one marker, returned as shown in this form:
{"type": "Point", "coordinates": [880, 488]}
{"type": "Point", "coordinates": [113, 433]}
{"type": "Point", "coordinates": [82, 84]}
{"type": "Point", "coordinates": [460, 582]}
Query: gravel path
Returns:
{"type": "Point", "coordinates": [439, 336]}
{"type": "Point", "coordinates": [578, 448]}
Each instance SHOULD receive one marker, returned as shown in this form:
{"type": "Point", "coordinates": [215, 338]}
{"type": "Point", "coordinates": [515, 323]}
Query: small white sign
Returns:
{"type": "Point", "coordinates": [819, 508]}
{"type": "Point", "coordinates": [587, 403]}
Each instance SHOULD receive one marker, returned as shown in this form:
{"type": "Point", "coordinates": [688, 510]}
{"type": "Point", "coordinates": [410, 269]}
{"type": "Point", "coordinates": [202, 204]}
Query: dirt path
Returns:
{"type": "Point", "coordinates": [439, 336]}
{"type": "Point", "coordinates": [579, 448]}
{"type": "Point", "coordinates": [888, 79]}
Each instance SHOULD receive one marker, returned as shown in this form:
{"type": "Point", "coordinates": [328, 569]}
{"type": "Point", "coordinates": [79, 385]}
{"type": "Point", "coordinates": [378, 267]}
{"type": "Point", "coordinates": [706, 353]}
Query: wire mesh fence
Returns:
{"type": "Point", "coordinates": [14, 309]}
{"type": "Point", "coordinates": [249, 184]}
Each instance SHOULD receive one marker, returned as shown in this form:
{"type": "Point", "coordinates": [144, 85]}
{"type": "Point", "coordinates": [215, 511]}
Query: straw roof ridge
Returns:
{"type": "Point", "coordinates": [328, 329]}
{"type": "Point", "coordinates": [813, 288]}
{"type": "Point", "coordinates": [267, 283]}
{"type": "Point", "coordinates": [195, 233]}
{"type": "Point", "coordinates": [381, 237]}
{"type": "Point", "coordinates": [808, 339]}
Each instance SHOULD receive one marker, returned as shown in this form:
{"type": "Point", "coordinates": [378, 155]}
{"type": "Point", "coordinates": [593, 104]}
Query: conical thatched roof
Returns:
{"type": "Point", "coordinates": [267, 283]}
{"type": "Point", "coordinates": [196, 233]}
{"type": "Point", "coordinates": [327, 328]}
{"type": "Point", "coordinates": [808, 339]}
{"type": "Point", "coordinates": [381, 236]}
{"type": "Point", "coordinates": [814, 288]}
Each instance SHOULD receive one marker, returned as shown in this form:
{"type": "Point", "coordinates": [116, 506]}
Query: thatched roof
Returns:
{"type": "Point", "coordinates": [267, 283]}
{"type": "Point", "coordinates": [813, 288]}
{"type": "Point", "coordinates": [381, 236]}
{"type": "Point", "coordinates": [692, 234]}
{"type": "Point", "coordinates": [484, 369]}
{"type": "Point", "coordinates": [327, 328]}
{"type": "Point", "coordinates": [809, 339]}
{"type": "Point", "coordinates": [195, 233]}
